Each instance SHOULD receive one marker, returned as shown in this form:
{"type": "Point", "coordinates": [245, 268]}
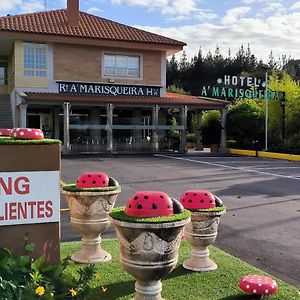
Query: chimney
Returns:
{"type": "Point", "coordinates": [73, 12]}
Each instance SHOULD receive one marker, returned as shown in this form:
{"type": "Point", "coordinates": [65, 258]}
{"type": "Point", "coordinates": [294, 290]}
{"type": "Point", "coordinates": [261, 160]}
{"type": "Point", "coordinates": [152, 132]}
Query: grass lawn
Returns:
{"type": "Point", "coordinates": [180, 284]}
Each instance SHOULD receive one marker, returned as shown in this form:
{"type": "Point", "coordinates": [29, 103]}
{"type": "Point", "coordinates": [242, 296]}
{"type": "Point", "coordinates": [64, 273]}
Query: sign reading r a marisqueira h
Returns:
{"type": "Point", "coordinates": [239, 87]}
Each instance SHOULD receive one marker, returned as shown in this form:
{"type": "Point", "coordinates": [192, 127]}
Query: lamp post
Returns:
{"type": "Point", "coordinates": [283, 102]}
{"type": "Point", "coordinates": [267, 108]}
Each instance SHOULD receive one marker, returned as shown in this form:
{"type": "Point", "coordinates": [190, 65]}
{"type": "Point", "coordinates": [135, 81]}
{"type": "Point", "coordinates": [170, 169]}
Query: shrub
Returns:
{"type": "Point", "coordinates": [24, 278]}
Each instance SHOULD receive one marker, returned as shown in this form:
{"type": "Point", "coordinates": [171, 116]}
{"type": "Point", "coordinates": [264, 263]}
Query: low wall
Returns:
{"type": "Point", "coordinates": [242, 152]}
{"type": "Point", "coordinates": [265, 154]}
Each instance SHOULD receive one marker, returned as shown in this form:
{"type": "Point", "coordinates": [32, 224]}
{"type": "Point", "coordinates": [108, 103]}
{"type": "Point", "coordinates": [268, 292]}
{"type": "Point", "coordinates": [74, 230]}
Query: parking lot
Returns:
{"type": "Point", "coordinates": [262, 196]}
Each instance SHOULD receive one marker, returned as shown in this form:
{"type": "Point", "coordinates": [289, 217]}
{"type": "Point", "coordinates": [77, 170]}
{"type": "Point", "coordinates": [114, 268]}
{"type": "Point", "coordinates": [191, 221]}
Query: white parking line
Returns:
{"type": "Point", "coordinates": [275, 168]}
{"type": "Point", "coordinates": [228, 167]}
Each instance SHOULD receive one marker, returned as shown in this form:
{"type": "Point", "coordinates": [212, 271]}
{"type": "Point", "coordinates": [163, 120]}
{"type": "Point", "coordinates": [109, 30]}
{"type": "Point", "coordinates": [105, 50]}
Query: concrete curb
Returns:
{"type": "Point", "coordinates": [264, 154]}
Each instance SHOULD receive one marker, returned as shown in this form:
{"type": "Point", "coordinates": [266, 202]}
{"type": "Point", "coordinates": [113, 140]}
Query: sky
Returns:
{"type": "Point", "coordinates": [267, 25]}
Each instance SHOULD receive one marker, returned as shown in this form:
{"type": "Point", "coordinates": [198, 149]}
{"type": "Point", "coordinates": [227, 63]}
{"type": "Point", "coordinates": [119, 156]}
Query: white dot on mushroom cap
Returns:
{"type": "Point", "coordinates": [29, 130]}
{"type": "Point", "coordinates": [266, 291]}
{"type": "Point", "coordinates": [272, 286]}
{"type": "Point", "coordinates": [21, 133]}
{"type": "Point", "coordinates": [259, 284]}
{"type": "Point", "coordinates": [247, 286]}
{"type": "Point", "coordinates": [244, 279]}
{"type": "Point", "coordinates": [15, 134]}
{"type": "Point", "coordinates": [36, 133]}
{"type": "Point", "coordinates": [254, 291]}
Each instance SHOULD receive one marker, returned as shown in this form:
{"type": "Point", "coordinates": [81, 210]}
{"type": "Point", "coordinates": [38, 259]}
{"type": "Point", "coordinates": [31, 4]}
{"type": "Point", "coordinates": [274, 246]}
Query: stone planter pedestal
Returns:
{"type": "Point", "coordinates": [149, 252]}
{"type": "Point", "coordinates": [200, 233]}
{"type": "Point", "coordinates": [89, 215]}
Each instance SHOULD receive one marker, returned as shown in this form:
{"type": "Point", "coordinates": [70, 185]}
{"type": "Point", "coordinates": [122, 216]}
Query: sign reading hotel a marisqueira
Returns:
{"type": "Point", "coordinates": [100, 89]}
{"type": "Point", "coordinates": [239, 87]}
{"type": "Point", "coordinates": [29, 197]}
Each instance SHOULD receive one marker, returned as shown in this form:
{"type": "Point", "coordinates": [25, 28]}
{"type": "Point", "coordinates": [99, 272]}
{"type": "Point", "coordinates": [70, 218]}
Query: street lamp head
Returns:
{"type": "Point", "coordinates": [264, 67]}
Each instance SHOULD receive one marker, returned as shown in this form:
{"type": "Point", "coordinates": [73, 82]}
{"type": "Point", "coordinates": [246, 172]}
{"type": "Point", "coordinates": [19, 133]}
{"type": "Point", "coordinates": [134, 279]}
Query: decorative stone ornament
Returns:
{"type": "Point", "coordinates": [92, 180]}
{"type": "Point", "coordinates": [27, 134]}
{"type": "Point", "coordinates": [5, 132]}
{"type": "Point", "coordinates": [198, 199]}
{"type": "Point", "coordinates": [149, 246]}
{"type": "Point", "coordinates": [149, 204]}
{"type": "Point", "coordinates": [203, 228]}
{"type": "Point", "coordinates": [258, 285]}
{"type": "Point", "coordinates": [89, 210]}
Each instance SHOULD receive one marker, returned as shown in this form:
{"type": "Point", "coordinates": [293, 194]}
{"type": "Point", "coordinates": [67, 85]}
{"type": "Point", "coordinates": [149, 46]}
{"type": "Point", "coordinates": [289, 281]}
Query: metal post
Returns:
{"type": "Point", "coordinates": [223, 143]}
{"type": "Point", "coordinates": [267, 112]}
{"type": "Point", "coordinates": [283, 119]}
{"type": "Point", "coordinates": [66, 146]}
{"type": "Point", "coordinates": [155, 111]}
{"type": "Point", "coordinates": [183, 148]}
{"type": "Point", "coordinates": [109, 125]}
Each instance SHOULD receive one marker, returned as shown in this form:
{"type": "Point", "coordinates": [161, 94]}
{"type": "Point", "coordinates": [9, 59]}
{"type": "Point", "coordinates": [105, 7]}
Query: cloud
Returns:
{"type": "Point", "coordinates": [234, 14]}
{"type": "Point", "coordinates": [176, 9]}
{"type": "Point", "coordinates": [94, 10]}
{"type": "Point", "coordinates": [295, 6]}
{"type": "Point", "coordinates": [276, 33]}
{"type": "Point", "coordinates": [9, 5]}
{"type": "Point", "coordinates": [32, 6]}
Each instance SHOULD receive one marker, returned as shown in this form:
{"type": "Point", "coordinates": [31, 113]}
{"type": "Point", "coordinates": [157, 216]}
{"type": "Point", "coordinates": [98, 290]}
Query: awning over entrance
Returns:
{"type": "Point", "coordinates": [171, 99]}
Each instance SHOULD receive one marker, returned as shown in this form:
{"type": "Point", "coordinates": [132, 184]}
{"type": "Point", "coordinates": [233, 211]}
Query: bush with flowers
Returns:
{"type": "Point", "coordinates": [24, 278]}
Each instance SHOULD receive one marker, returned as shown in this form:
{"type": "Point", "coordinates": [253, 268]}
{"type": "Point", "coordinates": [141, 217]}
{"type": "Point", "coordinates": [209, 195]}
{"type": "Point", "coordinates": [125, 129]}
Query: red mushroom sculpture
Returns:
{"type": "Point", "coordinates": [5, 132]}
{"type": "Point", "coordinates": [258, 285]}
{"type": "Point", "coordinates": [27, 134]}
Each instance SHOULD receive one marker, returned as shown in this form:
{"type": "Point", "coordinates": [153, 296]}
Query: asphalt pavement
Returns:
{"type": "Point", "coordinates": [262, 223]}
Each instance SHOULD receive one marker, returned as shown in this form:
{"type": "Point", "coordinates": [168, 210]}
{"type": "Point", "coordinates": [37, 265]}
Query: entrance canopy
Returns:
{"type": "Point", "coordinates": [171, 99]}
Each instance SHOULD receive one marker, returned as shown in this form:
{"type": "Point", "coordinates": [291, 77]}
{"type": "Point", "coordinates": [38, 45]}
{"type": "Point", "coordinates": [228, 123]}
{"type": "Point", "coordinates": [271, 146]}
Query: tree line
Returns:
{"type": "Point", "coordinates": [205, 69]}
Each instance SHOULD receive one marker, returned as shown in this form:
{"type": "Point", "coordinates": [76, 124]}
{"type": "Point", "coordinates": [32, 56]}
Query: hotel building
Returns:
{"type": "Point", "coordinates": [98, 85]}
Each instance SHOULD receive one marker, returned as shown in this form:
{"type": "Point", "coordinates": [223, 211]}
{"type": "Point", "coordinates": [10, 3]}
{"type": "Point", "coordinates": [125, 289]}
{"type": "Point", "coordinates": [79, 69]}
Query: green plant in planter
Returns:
{"type": "Point", "coordinates": [118, 214]}
{"type": "Point", "coordinates": [72, 188]}
{"type": "Point", "coordinates": [23, 278]}
{"type": "Point", "coordinates": [213, 209]}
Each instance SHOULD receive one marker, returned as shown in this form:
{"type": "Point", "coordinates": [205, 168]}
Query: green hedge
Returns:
{"type": "Point", "coordinates": [9, 141]}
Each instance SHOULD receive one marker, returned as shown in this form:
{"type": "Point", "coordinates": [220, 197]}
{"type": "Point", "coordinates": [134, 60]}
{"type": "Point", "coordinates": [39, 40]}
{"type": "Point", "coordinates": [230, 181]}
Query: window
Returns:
{"type": "Point", "coordinates": [35, 62]}
{"type": "Point", "coordinates": [3, 74]}
{"type": "Point", "coordinates": [121, 65]}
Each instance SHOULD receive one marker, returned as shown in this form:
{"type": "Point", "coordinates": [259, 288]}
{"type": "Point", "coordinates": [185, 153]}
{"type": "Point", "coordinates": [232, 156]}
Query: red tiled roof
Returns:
{"type": "Point", "coordinates": [92, 27]}
{"type": "Point", "coordinates": [170, 99]}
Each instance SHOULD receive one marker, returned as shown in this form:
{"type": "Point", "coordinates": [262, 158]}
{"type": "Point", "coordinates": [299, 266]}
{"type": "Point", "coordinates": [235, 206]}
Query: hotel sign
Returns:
{"type": "Point", "coordinates": [240, 87]}
{"type": "Point", "coordinates": [101, 89]}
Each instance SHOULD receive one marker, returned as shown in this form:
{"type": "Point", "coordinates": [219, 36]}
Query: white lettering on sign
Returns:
{"type": "Point", "coordinates": [29, 197]}
{"type": "Point", "coordinates": [241, 81]}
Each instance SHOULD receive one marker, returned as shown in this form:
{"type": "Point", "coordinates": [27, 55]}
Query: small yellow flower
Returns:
{"type": "Point", "coordinates": [73, 292]}
{"type": "Point", "coordinates": [97, 276]}
{"type": "Point", "coordinates": [104, 289]}
{"type": "Point", "coordinates": [40, 291]}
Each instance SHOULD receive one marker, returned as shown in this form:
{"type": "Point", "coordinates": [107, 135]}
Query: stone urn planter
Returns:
{"type": "Point", "coordinates": [89, 209]}
{"type": "Point", "coordinates": [149, 245]}
{"type": "Point", "coordinates": [203, 228]}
